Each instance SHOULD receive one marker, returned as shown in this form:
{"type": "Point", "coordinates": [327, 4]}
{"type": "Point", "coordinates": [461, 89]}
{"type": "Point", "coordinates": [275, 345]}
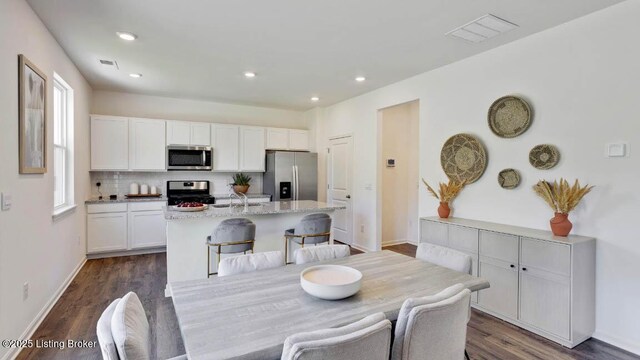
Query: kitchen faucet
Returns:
{"type": "Point", "coordinates": [244, 198]}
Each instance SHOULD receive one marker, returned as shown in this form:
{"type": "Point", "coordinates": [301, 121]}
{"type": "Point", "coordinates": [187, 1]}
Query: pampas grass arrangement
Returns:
{"type": "Point", "coordinates": [447, 192]}
{"type": "Point", "coordinates": [561, 196]}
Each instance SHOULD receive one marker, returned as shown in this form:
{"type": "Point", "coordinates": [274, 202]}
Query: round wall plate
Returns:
{"type": "Point", "coordinates": [509, 178]}
{"type": "Point", "coordinates": [544, 156]}
{"type": "Point", "coordinates": [463, 158]}
{"type": "Point", "coordinates": [509, 116]}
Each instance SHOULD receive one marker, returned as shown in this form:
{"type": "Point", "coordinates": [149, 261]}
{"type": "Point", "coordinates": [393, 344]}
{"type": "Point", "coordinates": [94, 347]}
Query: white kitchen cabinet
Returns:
{"type": "Point", "coordinates": [277, 139]}
{"type": "Point", "coordinates": [147, 145]}
{"type": "Point", "coordinates": [540, 282]}
{"type": "Point", "coordinates": [147, 229]}
{"type": "Point", "coordinates": [188, 133]}
{"type": "Point", "coordinates": [106, 228]}
{"type": "Point", "coordinates": [299, 140]}
{"type": "Point", "coordinates": [252, 148]}
{"type": "Point", "coordinates": [109, 143]}
{"type": "Point", "coordinates": [225, 140]}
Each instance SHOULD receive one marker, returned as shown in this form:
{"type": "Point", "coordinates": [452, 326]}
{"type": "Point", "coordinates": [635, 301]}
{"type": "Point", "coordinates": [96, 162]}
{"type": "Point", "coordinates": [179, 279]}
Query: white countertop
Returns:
{"type": "Point", "coordinates": [274, 207]}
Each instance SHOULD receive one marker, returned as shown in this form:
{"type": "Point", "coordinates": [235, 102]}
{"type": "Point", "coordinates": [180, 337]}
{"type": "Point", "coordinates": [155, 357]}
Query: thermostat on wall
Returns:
{"type": "Point", "coordinates": [617, 150]}
{"type": "Point", "coordinates": [391, 162]}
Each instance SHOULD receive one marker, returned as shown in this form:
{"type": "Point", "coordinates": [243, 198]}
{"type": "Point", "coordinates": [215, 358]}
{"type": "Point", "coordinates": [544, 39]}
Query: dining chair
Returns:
{"type": "Point", "coordinates": [321, 253]}
{"type": "Point", "coordinates": [250, 262]}
{"type": "Point", "coordinates": [312, 229]}
{"type": "Point", "coordinates": [433, 327]}
{"type": "Point", "coordinates": [231, 236]}
{"type": "Point", "coordinates": [123, 331]}
{"type": "Point", "coordinates": [366, 339]}
{"type": "Point", "coordinates": [445, 257]}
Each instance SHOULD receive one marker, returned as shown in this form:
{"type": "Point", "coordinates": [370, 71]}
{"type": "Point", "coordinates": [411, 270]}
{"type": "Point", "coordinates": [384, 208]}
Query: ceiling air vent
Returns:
{"type": "Point", "coordinates": [482, 28]}
{"type": "Point", "coordinates": [109, 63]}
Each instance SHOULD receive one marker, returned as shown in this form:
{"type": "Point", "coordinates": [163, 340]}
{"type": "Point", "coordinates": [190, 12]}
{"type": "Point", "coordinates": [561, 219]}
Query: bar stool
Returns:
{"type": "Point", "coordinates": [312, 229]}
{"type": "Point", "coordinates": [231, 236]}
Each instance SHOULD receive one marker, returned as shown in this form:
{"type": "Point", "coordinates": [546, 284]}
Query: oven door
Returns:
{"type": "Point", "coordinates": [189, 158]}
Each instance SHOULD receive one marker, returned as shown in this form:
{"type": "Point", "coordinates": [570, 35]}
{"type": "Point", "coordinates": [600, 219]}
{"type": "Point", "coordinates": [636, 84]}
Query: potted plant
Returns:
{"type": "Point", "coordinates": [446, 194]}
{"type": "Point", "coordinates": [562, 198]}
{"type": "Point", "coordinates": [241, 183]}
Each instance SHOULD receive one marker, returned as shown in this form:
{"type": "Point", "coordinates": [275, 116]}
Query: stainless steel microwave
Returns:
{"type": "Point", "coordinates": [185, 158]}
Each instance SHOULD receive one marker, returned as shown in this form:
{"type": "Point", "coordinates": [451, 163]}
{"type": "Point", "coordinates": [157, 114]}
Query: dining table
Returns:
{"type": "Point", "coordinates": [248, 316]}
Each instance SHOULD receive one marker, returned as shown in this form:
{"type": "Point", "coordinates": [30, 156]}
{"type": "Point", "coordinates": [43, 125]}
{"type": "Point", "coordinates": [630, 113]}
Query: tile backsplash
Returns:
{"type": "Point", "coordinates": [118, 182]}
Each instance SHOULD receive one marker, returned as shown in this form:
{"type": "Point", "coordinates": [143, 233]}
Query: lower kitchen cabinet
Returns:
{"type": "Point", "coordinates": [122, 227]}
{"type": "Point", "coordinates": [540, 282]}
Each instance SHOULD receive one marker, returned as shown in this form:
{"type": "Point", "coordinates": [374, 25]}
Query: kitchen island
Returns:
{"type": "Point", "coordinates": [187, 232]}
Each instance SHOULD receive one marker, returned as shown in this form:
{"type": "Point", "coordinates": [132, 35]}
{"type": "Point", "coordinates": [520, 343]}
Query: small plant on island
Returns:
{"type": "Point", "coordinates": [241, 183]}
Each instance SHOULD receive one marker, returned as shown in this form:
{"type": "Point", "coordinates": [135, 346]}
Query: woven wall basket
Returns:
{"type": "Point", "coordinates": [544, 156]}
{"type": "Point", "coordinates": [463, 158]}
{"type": "Point", "coordinates": [509, 116]}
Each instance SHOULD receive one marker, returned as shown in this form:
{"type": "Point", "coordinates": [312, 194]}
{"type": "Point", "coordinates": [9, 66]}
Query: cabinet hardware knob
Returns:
{"type": "Point", "coordinates": [512, 266]}
{"type": "Point", "coordinates": [348, 196]}
{"type": "Point", "coordinates": [524, 269]}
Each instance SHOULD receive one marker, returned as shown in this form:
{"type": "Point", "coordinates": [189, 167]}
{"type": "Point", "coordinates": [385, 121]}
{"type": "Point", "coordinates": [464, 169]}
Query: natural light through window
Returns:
{"type": "Point", "coordinates": [62, 145]}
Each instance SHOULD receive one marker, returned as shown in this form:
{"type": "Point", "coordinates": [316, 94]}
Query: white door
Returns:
{"type": "Point", "coordinates": [225, 140]}
{"type": "Point", "coordinates": [106, 232]}
{"type": "Point", "coordinates": [147, 144]}
{"type": "Point", "coordinates": [200, 134]}
{"type": "Point", "coordinates": [277, 139]}
{"type": "Point", "coordinates": [109, 143]}
{"type": "Point", "coordinates": [299, 140]}
{"type": "Point", "coordinates": [252, 152]}
{"type": "Point", "coordinates": [147, 229]}
{"type": "Point", "coordinates": [178, 133]}
{"type": "Point", "coordinates": [339, 187]}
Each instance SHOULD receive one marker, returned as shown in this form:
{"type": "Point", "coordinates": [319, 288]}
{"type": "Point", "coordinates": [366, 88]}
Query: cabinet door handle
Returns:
{"type": "Point", "coordinates": [512, 266]}
{"type": "Point", "coordinates": [524, 269]}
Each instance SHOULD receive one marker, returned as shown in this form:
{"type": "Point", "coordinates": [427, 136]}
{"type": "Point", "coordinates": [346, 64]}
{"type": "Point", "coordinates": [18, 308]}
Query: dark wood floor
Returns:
{"type": "Point", "coordinates": [100, 281]}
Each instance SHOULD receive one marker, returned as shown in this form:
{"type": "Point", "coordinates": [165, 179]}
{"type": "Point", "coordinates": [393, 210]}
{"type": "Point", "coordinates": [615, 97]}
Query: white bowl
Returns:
{"type": "Point", "coordinates": [331, 282]}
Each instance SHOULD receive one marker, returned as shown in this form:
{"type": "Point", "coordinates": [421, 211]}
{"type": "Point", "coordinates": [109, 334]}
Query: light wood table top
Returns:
{"type": "Point", "coordinates": [248, 316]}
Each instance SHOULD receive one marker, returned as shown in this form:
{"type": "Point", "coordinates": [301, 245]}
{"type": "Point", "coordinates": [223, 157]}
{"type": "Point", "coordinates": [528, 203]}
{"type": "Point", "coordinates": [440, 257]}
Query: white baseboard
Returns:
{"type": "Point", "coordinates": [127, 253]}
{"type": "Point", "coordinates": [618, 342]}
{"type": "Point", "coordinates": [394, 242]}
{"type": "Point", "coordinates": [33, 326]}
{"type": "Point", "coordinates": [361, 248]}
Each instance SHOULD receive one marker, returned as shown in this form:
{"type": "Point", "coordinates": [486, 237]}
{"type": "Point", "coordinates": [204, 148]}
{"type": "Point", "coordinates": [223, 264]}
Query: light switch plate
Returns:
{"type": "Point", "coordinates": [619, 149]}
{"type": "Point", "coordinates": [6, 201]}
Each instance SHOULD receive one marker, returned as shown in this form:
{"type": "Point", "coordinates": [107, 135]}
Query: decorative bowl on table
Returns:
{"type": "Point", "coordinates": [190, 207]}
{"type": "Point", "coordinates": [331, 282]}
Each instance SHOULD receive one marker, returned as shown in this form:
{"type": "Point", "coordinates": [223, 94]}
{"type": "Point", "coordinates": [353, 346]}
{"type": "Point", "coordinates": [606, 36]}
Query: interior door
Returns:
{"type": "Point", "coordinates": [339, 186]}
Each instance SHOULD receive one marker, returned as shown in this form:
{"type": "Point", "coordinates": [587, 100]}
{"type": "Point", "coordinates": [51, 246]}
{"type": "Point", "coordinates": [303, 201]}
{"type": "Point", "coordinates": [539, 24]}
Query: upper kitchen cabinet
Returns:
{"type": "Point", "coordinates": [287, 139]}
{"type": "Point", "coordinates": [109, 143]}
{"type": "Point", "coordinates": [147, 146]}
{"type": "Point", "coordinates": [225, 140]}
{"type": "Point", "coordinates": [252, 149]}
{"type": "Point", "coordinates": [299, 140]}
{"type": "Point", "coordinates": [188, 133]}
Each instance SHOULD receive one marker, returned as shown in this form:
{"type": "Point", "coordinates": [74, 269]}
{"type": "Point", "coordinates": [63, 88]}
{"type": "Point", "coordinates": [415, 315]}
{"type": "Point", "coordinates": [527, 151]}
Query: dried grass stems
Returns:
{"type": "Point", "coordinates": [447, 192]}
{"type": "Point", "coordinates": [561, 196]}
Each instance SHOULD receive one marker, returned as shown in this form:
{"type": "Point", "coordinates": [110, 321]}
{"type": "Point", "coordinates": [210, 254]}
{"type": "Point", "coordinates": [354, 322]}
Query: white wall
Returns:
{"type": "Point", "coordinates": [155, 107]}
{"type": "Point", "coordinates": [581, 79]}
{"type": "Point", "coordinates": [33, 247]}
{"type": "Point", "coordinates": [399, 190]}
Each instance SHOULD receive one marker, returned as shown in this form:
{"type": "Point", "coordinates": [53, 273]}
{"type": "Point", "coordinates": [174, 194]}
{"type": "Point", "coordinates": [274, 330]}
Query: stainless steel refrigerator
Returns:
{"type": "Point", "coordinates": [291, 175]}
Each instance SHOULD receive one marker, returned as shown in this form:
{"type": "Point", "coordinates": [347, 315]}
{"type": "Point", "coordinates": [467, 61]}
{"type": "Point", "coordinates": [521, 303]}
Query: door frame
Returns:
{"type": "Point", "coordinates": [328, 173]}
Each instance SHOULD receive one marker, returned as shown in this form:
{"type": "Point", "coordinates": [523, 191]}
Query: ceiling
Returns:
{"type": "Point", "coordinates": [199, 49]}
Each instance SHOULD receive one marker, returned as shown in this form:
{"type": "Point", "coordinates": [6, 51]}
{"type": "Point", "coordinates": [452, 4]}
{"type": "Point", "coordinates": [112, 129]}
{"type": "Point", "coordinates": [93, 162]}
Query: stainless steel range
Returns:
{"type": "Point", "coordinates": [188, 191]}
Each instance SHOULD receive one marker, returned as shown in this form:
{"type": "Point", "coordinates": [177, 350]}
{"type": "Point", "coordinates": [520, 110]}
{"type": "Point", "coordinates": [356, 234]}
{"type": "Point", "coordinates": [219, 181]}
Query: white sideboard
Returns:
{"type": "Point", "coordinates": [540, 282]}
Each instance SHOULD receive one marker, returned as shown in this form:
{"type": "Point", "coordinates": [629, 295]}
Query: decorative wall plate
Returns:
{"type": "Point", "coordinates": [509, 116]}
{"type": "Point", "coordinates": [509, 178]}
{"type": "Point", "coordinates": [544, 156]}
{"type": "Point", "coordinates": [463, 158]}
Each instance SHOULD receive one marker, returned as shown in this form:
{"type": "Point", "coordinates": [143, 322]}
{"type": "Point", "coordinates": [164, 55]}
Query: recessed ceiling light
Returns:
{"type": "Point", "coordinates": [315, 98]}
{"type": "Point", "coordinates": [134, 75]}
{"type": "Point", "coordinates": [127, 36]}
{"type": "Point", "coordinates": [361, 78]}
{"type": "Point", "coordinates": [250, 74]}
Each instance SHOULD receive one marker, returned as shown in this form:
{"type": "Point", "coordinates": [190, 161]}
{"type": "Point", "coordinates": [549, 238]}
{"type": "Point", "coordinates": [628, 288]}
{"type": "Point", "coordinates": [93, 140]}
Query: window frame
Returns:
{"type": "Point", "coordinates": [63, 141]}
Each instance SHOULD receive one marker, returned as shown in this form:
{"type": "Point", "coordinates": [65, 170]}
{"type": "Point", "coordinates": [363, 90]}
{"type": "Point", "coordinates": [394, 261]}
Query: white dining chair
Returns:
{"type": "Point", "coordinates": [445, 257]}
{"type": "Point", "coordinates": [433, 327]}
{"type": "Point", "coordinates": [321, 253]}
{"type": "Point", "coordinates": [250, 262]}
{"type": "Point", "coordinates": [123, 331]}
{"type": "Point", "coordinates": [367, 339]}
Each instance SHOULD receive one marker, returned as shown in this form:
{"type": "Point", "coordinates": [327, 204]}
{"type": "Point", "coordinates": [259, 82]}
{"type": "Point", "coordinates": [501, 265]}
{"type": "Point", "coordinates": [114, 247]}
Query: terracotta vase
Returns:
{"type": "Point", "coordinates": [560, 224]}
{"type": "Point", "coordinates": [444, 210]}
{"type": "Point", "coordinates": [241, 188]}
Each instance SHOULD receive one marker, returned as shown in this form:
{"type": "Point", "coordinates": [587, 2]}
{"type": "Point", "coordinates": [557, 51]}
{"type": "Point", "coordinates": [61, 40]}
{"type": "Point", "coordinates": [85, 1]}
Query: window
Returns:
{"type": "Point", "coordinates": [62, 146]}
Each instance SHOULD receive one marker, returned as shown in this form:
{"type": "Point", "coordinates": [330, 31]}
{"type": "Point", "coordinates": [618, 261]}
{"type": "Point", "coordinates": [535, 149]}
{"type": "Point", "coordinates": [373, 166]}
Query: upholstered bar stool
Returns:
{"type": "Point", "coordinates": [231, 236]}
{"type": "Point", "coordinates": [313, 229]}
